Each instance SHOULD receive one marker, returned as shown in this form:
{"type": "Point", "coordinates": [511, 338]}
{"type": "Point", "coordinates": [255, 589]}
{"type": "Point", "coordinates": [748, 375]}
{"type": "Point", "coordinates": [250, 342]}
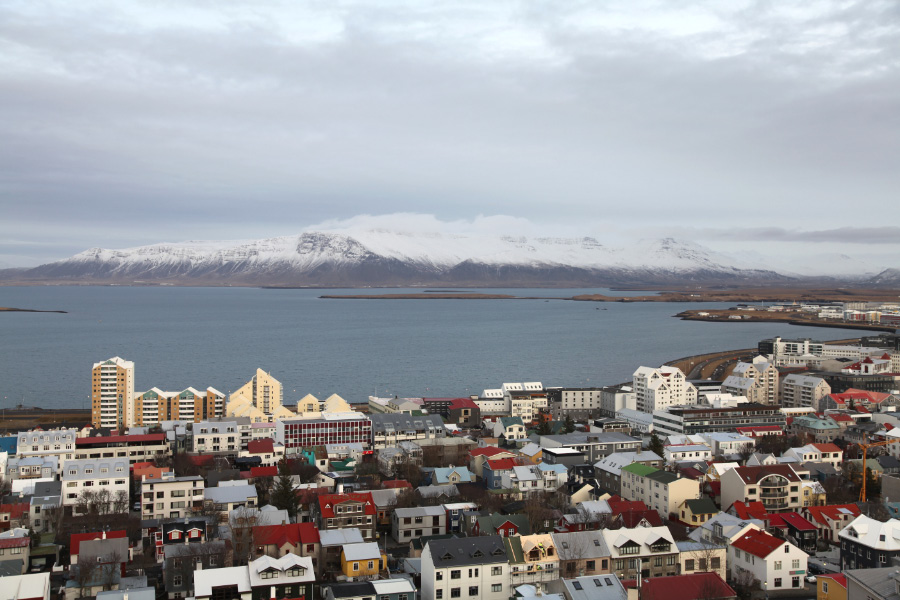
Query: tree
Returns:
{"type": "Point", "coordinates": [85, 573]}
{"type": "Point", "coordinates": [569, 425]}
{"type": "Point", "coordinates": [746, 452]}
{"type": "Point", "coordinates": [242, 521]}
{"type": "Point", "coordinates": [306, 472]}
{"type": "Point", "coordinates": [656, 445]}
{"type": "Point", "coordinates": [543, 427]}
{"type": "Point", "coordinates": [263, 489]}
{"type": "Point", "coordinates": [111, 570]}
{"type": "Point", "coordinates": [283, 494]}
{"type": "Point", "coordinates": [771, 444]}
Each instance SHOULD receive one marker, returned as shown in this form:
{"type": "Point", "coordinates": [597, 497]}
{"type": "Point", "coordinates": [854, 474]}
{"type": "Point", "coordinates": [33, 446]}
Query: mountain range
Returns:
{"type": "Point", "coordinates": [379, 257]}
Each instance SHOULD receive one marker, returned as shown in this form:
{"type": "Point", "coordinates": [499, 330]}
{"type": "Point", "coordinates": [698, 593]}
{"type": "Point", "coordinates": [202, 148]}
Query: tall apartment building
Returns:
{"type": "Point", "coordinates": [112, 387]}
{"type": "Point", "coordinates": [658, 389]}
{"type": "Point", "coordinates": [757, 380]}
{"type": "Point", "coordinates": [802, 391]}
{"type": "Point", "coordinates": [155, 406]}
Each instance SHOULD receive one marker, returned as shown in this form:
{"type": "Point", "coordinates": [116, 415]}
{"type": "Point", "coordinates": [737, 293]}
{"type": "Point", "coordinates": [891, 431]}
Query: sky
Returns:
{"type": "Point", "coordinates": [754, 128]}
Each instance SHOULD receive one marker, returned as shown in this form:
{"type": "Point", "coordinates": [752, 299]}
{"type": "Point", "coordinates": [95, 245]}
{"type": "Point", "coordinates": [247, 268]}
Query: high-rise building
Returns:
{"type": "Point", "coordinates": [260, 399]}
{"type": "Point", "coordinates": [154, 406]}
{"type": "Point", "coordinates": [658, 389]}
{"type": "Point", "coordinates": [112, 387]}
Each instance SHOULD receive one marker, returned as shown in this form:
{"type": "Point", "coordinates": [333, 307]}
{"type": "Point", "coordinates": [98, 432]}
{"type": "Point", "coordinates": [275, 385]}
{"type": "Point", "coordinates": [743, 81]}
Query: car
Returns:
{"type": "Point", "coordinates": [811, 579]}
{"type": "Point", "coordinates": [136, 507]}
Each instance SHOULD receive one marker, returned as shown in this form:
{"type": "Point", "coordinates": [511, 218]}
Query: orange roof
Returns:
{"type": "Point", "coordinates": [501, 464]}
{"type": "Point", "coordinates": [827, 447]}
{"type": "Point", "coordinates": [487, 451]}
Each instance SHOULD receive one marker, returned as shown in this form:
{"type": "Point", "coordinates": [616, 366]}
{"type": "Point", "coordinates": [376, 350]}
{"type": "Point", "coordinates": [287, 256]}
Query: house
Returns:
{"type": "Point", "coordinates": [408, 523]}
{"type": "Point", "coordinates": [642, 551]}
{"type": "Point", "coordinates": [661, 491]}
{"type": "Point", "coordinates": [15, 551]}
{"type": "Point", "coordinates": [290, 576]}
{"type": "Point", "coordinates": [776, 486]}
{"type": "Point", "coordinates": [171, 497]}
{"type": "Point", "coordinates": [702, 557]}
{"type": "Point", "coordinates": [800, 531]}
{"type": "Point", "coordinates": [494, 470]}
{"type": "Point", "coordinates": [501, 525]}
{"type": "Point", "coordinates": [582, 553]}
{"type": "Point", "coordinates": [475, 567]}
{"type": "Point", "coordinates": [478, 457]}
{"type": "Point", "coordinates": [725, 443]}
{"type": "Point", "coordinates": [709, 586]}
{"type": "Point", "coordinates": [276, 541]}
{"type": "Point", "coordinates": [229, 496]}
{"type": "Point", "coordinates": [451, 476]}
{"type": "Point", "coordinates": [873, 584]}
{"type": "Point", "coordinates": [690, 452]}
{"type": "Point", "coordinates": [362, 561]}
{"type": "Point", "coordinates": [383, 589]}
{"type": "Point", "coordinates": [608, 470]}
{"type": "Point", "coordinates": [534, 479]}
{"type": "Point", "coordinates": [81, 544]}
{"type": "Point", "coordinates": [266, 450]}
{"type": "Point", "coordinates": [868, 544]}
{"type": "Point", "coordinates": [339, 511]}
{"type": "Point", "coordinates": [228, 582]}
{"type": "Point", "coordinates": [777, 564]}
{"type": "Point", "coordinates": [508, 428]}
{"type": "Point", "coordinates": [182, 561]}
{"type": "Point", "coordinates": [696, 511]}
{"type": "Point", "coordinates": [822, 430]}
{"type": "Point", "coordinates": [332, 545]}
{"type": "Point", "coordinates": [90, 481]}
{"type": "Point", "coordinates": [831, 587]}
{"type": "Point", "coordinates": [591, 588]}
{"type": "Point", "coordinates": [830, 520]}
{"type": "Point", "coordinates": [34, 586]}
{"type": "Point", "coordinates": [533, 560]}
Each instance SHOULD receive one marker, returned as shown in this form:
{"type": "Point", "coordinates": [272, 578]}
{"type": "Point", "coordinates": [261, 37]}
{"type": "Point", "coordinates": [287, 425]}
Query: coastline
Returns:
{"type": "Point", "coordinates": [34, 310]}
{"type": "Point", "coordinates": [728, 316]}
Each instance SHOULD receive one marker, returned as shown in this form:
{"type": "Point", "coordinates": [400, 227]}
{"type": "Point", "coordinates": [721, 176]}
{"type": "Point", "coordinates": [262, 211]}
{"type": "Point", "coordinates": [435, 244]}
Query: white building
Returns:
{"type": "Point", "coordinates": [171, 497]}
{"type": "Point", "coordinates": [803, 390]}
{"type": "Point", "coordinates": [776, 563]}
{"type": "Point", "coordinates": [474, 567]}
{"type": "Point", "coordinates": [87, 478]}
{"type": "Point", "coordinates": [58, 443]}
{"type": "Point", "coordinates": [658, 389]}
{"type": "Point", "coordinates": [217, 436]}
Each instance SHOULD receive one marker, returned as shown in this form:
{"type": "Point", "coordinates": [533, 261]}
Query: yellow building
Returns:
{"type": "Point", "coordinates": [813, 493]}
{"type": "Point", "coordinates": [696, 512]}
{"type": "Point", "coordinates": [260, 399]}
{"type": "Point", "coordinates": [362, 561]}
{"type": "Point", "coordinates": [831, 587]}
{"type": "Point", "coordinates": [112, 387]}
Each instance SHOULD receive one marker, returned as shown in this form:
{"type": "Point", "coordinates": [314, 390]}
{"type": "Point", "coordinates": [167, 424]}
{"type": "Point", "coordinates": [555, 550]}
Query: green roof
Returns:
{"type": "Point", "coordinates": [640, 469]}
{"type": "Point", "coordinates": [514, 546]}
{"type": "Point", "coordinates": [663, 477]}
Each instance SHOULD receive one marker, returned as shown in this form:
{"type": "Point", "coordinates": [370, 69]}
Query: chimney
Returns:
{"type": "Point", "coordinates": [104, 535]}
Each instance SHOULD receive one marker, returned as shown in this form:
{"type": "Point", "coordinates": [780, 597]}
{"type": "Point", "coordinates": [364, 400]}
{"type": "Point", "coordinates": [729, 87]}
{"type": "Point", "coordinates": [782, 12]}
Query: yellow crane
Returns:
{"type": "Point", "coordinates": [865, 449]}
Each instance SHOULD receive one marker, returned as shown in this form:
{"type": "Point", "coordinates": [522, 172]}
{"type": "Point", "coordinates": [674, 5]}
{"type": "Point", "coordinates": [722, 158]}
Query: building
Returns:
{"type": "Point", "coordinates": [260, 399]}
{"type": "Point", "coordinates": [822, 430]}
{"type": "Point", "coordinates": [533, 560]}
{"type": "Point", "coordinates": [409, 523]}
{"type": "Point", "coordinates": [775, 563]}
{"type": "Point", "coordinates": [579, 403]}
{"type": "Point", "coordinates": [58, 444]}
{"type": "Point", "coordinates": [691, 586]}
{"type": "Point", "coordinates": [662, 388]}
{"type": "Point", "coordinates": [589, 588]}
{"type": "Point", "coordinates": [134, 448]}
{"type": "Point", "coordinates": [831, 587]}
{"type": "Point", "coordinates": [642, 551]}
{"type": "Point", "coordinates": [593, 446]}
{"type": "Point", "coordinates": [112, 387]}
{"type": "Point", "coordinates": [608, 470]}
{"type": "Point", "coordinates": [340, 511]}
{"type": "Point", "coordinates": [756, 380]}
{"type": "Point", "coordinates": [830, 520]}
{"type": "Point", "coordinates": [289, 576]}
{"type": "Point", "coordinates": [873, 584]}
{"type": "Point", "coordinates": [389, 429]}
{"type": "Point", "coordinates": [800, 391]}
{"type": "Point", "coordinates": [212, 437]}
{"type": "Point", "coordinates": [329, 428]}
{"type": "Point", "coordinates": [229, 496]}
{"type": "Point", "coordinates": [475, 567]}
{"type": "Point", "coordinates": [155, 406]}
{"type": "Point", "coordinates": [182, 562]}
{"type": "Point", "coordinates": [383, 589]}
{"type": "Point", "coordinates": [362, 561]}
{"type": "Point", "coordinates": [776, 486]}
{"type": "Point", "coordinates": [101, 482]}
{"type": "Point", "coordinates": [662, 491]}
{"type": "Point", "coordinates": [687, 452]}
{"type": "Point", "coordinates": [697, 511]}
{"type": "Point", "coordinates": [702, 557]}
{"type": "Point", "coordinates": [581, 553]}
{"type": "Point", "coordinates": [171, 497]}
{"type": "Point", "coordinates": [869, 544]}
{"type": "Point", "coordinates": [691, 420]}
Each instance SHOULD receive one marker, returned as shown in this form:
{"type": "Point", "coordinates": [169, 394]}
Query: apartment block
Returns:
{"type": "Point", "coordinates": [58, 444]}
{"type": "Point", "coordinates": [659, 490]}
{"type": "Point", "coordinates": [217, 436]}
{"type": "Point", "coordinates": [756, 380]}
{"type": "Point", "coordinates": [661, 388]}
{"type": "Point", "coordinates": [103, 481]}
{"type": "Point", "coordinates": [155, 406]}
{"type": "Point", "coordinates": [801, 391]}
{"type": "Point", "coordinates": [133, 448]}
{"type": "Point", "coordinates": [171, 497]}
{"type": "Point", "coordinates": [472, 568]}
{"type": "Point", "coordinates": [389, 429]}
{"type": "Point", "coordinates": [776, 486]}
{"type": "Point", "coordinates": [330, 428]}
{"type": "Point", "coordinates": [112, 388]}
{"type": "Point", "coordinates": [690, 420]}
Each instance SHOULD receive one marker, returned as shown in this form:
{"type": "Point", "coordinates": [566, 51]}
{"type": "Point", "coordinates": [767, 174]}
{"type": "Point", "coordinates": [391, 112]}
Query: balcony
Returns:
{"type": "Point", "coordinates": [774, 493]}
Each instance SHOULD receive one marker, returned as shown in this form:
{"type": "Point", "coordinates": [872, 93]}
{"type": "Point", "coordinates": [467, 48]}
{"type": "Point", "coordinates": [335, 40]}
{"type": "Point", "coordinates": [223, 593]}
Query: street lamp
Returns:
{"type": "Point", "coordinates": [766, 589]}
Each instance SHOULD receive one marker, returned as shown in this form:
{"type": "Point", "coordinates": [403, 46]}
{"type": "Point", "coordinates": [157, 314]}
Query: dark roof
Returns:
{"type": "Point", "coordinates": [468, 551]}
{"type": "Point", "coordinates": [702, 506]}
{"type": "Point", "coordinates": [352, 589]}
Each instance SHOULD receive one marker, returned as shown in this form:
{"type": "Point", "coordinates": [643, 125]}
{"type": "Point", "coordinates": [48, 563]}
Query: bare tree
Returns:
{"type": "Point", "coordinates": [85, 572]}
{"type": "Point", "coordinates": [111, 569]}
{"type": "Point", "coordinates": [745, 584]}
{"type": "Point", "coordinates": [120, 502]}
{"type": "Point", "coordinates": [242, 520]}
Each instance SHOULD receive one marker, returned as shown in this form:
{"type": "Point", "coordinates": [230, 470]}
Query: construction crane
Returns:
{"type": "Point", "coordinates": [865, 449]}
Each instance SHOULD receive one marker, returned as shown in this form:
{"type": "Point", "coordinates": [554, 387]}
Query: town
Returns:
{"type": "Point", "coordinates": [779, 479]}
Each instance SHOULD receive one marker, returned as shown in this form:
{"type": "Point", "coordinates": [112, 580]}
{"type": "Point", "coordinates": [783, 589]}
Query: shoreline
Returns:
{"type": "Point", "coordinates": [33, 310]}
{"type": "Point", "coordinates": [725, 316]}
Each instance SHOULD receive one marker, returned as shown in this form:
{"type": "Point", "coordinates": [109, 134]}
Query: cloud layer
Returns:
{"type": "Point", "coordinates": [129, 123]}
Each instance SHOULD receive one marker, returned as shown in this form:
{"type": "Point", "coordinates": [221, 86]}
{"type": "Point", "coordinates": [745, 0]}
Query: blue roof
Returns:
{"type": "Point", "coordinates": [442, 474]}
{"type": "Point", "coordinates": [9, 444]}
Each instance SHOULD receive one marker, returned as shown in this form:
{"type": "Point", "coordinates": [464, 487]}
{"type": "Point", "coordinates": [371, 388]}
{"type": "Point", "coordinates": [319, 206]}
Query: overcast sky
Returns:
{"type": "Point", "coordinates": [744, 126]}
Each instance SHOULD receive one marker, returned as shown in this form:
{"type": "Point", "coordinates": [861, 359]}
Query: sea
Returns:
{"type": "Point", "coordinates": [200, 337]}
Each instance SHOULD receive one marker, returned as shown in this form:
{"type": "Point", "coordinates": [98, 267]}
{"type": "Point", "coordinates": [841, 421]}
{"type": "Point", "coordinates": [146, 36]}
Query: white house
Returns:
{"type": "Point", "coordinates": [777, 564]}
{"type": "Point", "coordinates": [475, 567]}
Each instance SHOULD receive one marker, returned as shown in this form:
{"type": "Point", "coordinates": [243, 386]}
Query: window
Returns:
{"type": "Point", "coordinates": [497, 587]}
{"type": "Point", "coordinates": [473, 590]}
{"type": "Point", "coordinates": [777, 565]}
{"type": "Point", "coordinates": [371, 565]}
{"type": "Point", "coordinates": [456, 574]}
{"type": "Point", "coordinates": [438, 594]}
{"type": "Point", "coordinates": [177, 580]}
{"type": "Point", "coordinates": [715, 563]}
{"type": "Point", "coordinates": [689, 565]}
{"type": "Point", "coordinates": [496, 571]}
{"type": "Point", "coordinates": [778, 582]}
{"type": "Point", "coordinates": [795, 564]}
{"type": "Point", "coordinates": [591, 565]}
{"type": "Point", "coordinates": [356, 566]}
{"type": "Point", "coordinates": [439, 576]}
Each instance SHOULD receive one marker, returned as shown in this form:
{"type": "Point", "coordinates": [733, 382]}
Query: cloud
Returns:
{"type": "Point", "coordinates": [841, 235]}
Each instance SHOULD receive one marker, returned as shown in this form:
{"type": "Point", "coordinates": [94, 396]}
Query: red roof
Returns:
{"type": "Point", "coordinates": [77, 538]}
{"type": "Point", "coordinates": [114, 439]}
{"type": "Point", "coordinates": [202, 460]}
{"type": "Point", "coordinates": [756, 474]}
{"type": "Point", "coordinates": [16, 510]}
{"type": "Point", "coordinates": [262, 446]}
{"type": "Point", "coordinates": [463, 403]}
{"type": "Point", "coordinates": [19, 542]}
{"type": "Point", "coordinates": [501, 464]}
{"type": "Point", "coordinates": [691, 473]}
{"type": "Point", "coordinates": [757, 429]}
{"type": "Point", "coordinates": [859, 395]}
{"type": "Point", "coordinates": [392, 484]}
{"type": "Point", "coordinates": [263, 471]}
{"type": "Point", "coordinates": [838, 417]}
{"type": "Point", "coordinates": [827, 447]}
{"type": "Point", "coordinates": [838, 578]}
{"type": "Point", "coordinates": [290, 533]}
{"type": "Point", "coordinates": [685, 587]}
{"type": "Point", "coordinates": [750, 510]}
{"type": "Point", "coordinates": [327, 503]}
{"type": "Point", "coordinates": [834, 512]}
{"type": "Point", "coordinates": [487, 451]}
{"type": "Point", "coordinates": [798, 522]}
{"type": "Point", "coordinates": [758, 543]}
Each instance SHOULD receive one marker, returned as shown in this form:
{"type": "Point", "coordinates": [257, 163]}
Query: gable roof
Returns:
{"type": "Point", "coordinates": [686, 587]}
{"type": "Point", "coordinates": [758, 543]}
{"type": "Point", "coordinates": [327, 502]}
{"type": "Point", "coordinates": [289, 533]}
{"type": "Point", "coordinates": [77, 538]}
{"type": "Point", "coordinates": [468, 551]}
{"type": "Point", "coordinates": [261, 446]}
{"type": "Point", "coordinates": [755, 474]}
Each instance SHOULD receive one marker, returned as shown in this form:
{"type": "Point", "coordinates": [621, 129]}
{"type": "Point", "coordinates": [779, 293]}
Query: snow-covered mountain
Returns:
{"type": "Point", "coordinates": [382, 257]}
